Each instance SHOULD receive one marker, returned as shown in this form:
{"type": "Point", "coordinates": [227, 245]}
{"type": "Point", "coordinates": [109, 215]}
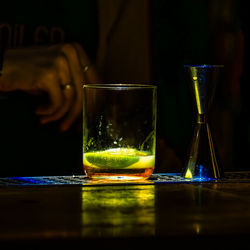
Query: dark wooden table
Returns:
{"type": "Point", "coordinates": [201, 215]}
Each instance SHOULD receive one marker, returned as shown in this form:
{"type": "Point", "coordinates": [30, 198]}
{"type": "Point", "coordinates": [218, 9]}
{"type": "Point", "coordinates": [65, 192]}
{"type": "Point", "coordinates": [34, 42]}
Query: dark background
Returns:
{"type": "Point", "coordinates": [201, 32]}
{"type": "Point", "coordinates": [182, 32]}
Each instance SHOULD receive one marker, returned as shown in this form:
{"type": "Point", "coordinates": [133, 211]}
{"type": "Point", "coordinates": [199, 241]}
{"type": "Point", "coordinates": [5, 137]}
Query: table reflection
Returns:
{"type": "Point", "coordinates": [118, 211]}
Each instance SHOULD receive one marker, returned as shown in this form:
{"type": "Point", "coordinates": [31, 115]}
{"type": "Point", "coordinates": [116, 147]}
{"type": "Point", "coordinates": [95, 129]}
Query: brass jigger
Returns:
{"type": "Point", "coordinates": [202, 162]}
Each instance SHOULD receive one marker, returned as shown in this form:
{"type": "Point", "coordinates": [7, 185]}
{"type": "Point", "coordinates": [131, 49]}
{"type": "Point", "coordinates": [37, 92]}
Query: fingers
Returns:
{"type": "Point", "coordinates": [65, 65]}
{"type": "Point", "coordinates": [90, 73]}
{"type": "Point", "coordinates": [49, 83]}
{"type": "Point", "coordinates": [77, 80]}
{"type": "Point", "coordinates": [67, 91]}
{"type": "Point", "coordinates": [64, 109]}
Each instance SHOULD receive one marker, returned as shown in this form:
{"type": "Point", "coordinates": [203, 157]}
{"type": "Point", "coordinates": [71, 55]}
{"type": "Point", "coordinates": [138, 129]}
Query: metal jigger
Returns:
{"type": "Point", "coordinates": [202, 163]}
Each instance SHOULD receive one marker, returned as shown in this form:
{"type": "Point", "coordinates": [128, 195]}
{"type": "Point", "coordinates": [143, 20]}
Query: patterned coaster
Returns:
{"type": "Point", "coordinates": [158, 178]}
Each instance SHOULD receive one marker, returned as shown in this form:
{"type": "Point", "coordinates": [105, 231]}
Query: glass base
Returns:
{"type": "Point", "coordinates": [118, 174]}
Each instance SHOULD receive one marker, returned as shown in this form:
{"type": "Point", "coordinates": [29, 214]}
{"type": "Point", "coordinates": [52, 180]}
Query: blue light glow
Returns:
{"type": "Point", "coordinates": [203, 66]}
{"type": "Point", "coordinates": [31, 180]}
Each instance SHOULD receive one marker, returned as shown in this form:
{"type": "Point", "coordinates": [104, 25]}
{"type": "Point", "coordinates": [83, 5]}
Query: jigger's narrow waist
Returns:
{"type": "Point", "coordinates": [201, 118]}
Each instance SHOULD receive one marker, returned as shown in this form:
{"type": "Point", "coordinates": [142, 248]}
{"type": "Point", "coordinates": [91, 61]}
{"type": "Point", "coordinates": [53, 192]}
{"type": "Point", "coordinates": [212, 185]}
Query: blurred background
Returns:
{"type": "Point", "coordinates": [146, 41]}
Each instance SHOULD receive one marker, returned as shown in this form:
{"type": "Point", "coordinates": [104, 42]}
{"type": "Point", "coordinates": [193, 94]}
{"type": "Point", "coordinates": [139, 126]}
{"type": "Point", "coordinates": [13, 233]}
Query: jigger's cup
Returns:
{"type": "Point", "coordinates": [119, 131]}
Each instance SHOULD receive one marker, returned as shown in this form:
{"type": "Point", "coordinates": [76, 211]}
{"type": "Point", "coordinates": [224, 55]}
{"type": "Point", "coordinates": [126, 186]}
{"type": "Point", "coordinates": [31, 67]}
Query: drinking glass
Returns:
{"type": "Point", "coordinates": [119, 131]}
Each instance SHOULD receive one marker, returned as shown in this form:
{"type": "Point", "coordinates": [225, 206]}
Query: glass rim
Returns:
{"type": "Point", "coordinates": [116, 86]}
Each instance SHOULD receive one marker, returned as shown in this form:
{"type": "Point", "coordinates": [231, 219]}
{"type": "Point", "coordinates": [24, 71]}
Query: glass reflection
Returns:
{"type": "Point", "coordinates": [118, 211]}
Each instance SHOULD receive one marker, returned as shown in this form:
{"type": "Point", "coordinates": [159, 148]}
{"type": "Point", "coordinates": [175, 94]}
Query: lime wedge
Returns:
{"type": "Point", "coordinates": [112, 158]}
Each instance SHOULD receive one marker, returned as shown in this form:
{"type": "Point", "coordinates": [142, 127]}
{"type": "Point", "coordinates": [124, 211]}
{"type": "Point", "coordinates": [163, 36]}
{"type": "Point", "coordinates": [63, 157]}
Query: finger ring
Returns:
{"type": "Point", "coordinates": [67, 86]}
{"type": "Point", "coordinates": [85, 68]}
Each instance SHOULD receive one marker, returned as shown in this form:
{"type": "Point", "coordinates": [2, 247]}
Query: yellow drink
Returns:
{"type": "Point", "coordinates": [119, 163]}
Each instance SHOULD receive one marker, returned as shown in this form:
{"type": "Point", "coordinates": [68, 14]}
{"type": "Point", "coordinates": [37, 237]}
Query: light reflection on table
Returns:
{"type": "Point", "coordinates": [115, 214]}
{"type": "Point", "coordinates": [118, 211]}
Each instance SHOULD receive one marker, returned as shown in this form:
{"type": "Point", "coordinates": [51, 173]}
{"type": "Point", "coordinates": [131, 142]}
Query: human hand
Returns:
{"type": "Point", "coordinates": [59, 71]}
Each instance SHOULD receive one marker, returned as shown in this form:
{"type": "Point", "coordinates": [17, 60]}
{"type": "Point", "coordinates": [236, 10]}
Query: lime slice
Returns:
{"type": "Point", "coordinates": [112, 158]}
{"type": "Point", "coordinates": [147, 161]}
